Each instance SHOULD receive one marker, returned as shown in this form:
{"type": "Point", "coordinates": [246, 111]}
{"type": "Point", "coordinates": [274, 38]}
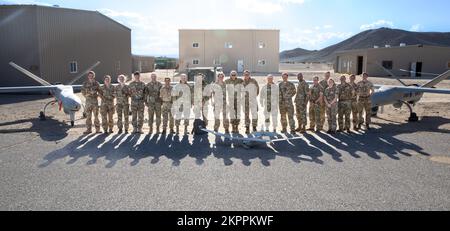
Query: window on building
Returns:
{"type": "Point", "coordinates": [195, 62]}
{"type": "Point", "coordinates": [387, 64]}
{"type": "Point", "coordinates": [261, 45]}
{"type": "Point", "coordinates": [118, 65]}
{"type": "Point", "coordinates": [73, 67]}
{"type": "Point", "coordinates": [228, 45]}
{"type": "Point", "coordinates": [216, 62]}
{"type": "Point", "coordinates": [195, 45]}
{"type": "Point", "coordinates": [261, 62]}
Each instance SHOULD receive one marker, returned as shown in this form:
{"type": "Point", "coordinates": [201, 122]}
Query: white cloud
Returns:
{"type": "Point", "coordinates": [377, 24]}
{"type": "Point", "coordinates": [416, 28]}
{"type": "Point", "coordinates": [264, 6]}
{"type": "Point", "coordinates": [149, 36]}
{"type": "Point", "coordinates": [308, 39]}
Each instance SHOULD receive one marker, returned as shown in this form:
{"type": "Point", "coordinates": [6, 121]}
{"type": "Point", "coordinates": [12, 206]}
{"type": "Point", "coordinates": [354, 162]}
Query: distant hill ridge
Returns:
{"type": "Point", "coordinates": [368, 39]}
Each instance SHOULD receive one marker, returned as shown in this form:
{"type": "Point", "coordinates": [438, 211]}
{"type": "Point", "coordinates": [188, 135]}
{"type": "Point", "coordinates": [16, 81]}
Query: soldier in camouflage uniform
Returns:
{"type": "Point", "coordinates": [330, 98]}
{"type": "Point", "coordinates": [90, 91]}
{"type": "Point", "coordinates": [354, 101]}
{"type": "Point", "coordinates": [365, 90]}
{"type": "Point", "coordinates": [301, 102]}
{"type": "Point", "coordinates": [324, 84]}
{"type": "Point", "coordinates": [234, 118]}
{"type": "Point", "coordinates": [137, 89]}
{"type": "Point", "coordinates": [254, 121]}
{"type": "Point", "coordinates": [315, 102]}
{"type": "Point", "coordinates": [269, 98]}
{"type": "Point", "coordinates": [107, 105]}
{"type": "Point", "coordinates": [287, 91]}
{"type": "Point", "coordinates": [165, 94]}
{"type": "Point", "coordinates": [226, 122]}
{"type": "Point", "coordinates": [153, 102]}
{"type": "Point", "coordinates": [122, 94]}
{"type": "Point", "coordinates": [345, 91]}
{"type": "Point", "coordinates": [183, 81]}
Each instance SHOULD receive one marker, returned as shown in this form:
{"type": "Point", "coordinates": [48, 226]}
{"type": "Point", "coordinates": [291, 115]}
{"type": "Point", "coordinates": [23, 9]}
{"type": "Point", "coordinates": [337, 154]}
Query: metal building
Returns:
{"type": "Point", "coordinates": [57, 44]}
{"type": "Point", "coordinates": [401, 60]}
{"type": "Point", "coordinates": [253, 50]}
{"type": "Point", "coordinates": [143, 64]}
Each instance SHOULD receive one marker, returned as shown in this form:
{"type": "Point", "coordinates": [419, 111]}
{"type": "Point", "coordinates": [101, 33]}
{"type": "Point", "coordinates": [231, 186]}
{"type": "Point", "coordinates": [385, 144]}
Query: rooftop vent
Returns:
{"type": "Point", "coordinates": [387, 46]}
{"type": "Point", "coordinates": [375, 46]}
{"type": "Point", "coordinates": [403, 44]}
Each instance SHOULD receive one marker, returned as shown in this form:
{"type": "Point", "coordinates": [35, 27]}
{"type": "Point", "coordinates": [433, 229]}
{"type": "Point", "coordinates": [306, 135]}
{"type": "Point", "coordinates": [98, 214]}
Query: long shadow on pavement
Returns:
{"type": "Point", "coordinates": [312, 148]}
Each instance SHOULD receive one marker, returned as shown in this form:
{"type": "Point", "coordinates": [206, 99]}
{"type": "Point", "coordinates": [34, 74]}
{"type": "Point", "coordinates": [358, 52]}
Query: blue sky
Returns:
{"type": "Point", "coordinates": [309, 24]}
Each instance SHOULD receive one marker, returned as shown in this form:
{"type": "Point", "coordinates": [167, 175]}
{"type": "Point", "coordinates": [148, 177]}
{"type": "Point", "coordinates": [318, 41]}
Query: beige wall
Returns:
{"type": "Point", "coordinates": [434, 59]}
{"type": "Point", "coordinates": [348, 63]}
{"type": "Point", "coordinates": [245, 47]}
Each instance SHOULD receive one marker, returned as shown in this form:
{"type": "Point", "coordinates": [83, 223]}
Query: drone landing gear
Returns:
{"type": "Point", "coordinates": [412, 115]}
{"type": "Point", "coordinates": [42, 113]}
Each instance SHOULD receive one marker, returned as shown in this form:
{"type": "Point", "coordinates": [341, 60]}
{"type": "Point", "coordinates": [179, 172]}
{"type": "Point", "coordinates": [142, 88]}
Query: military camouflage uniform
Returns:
{"type": "Point", "coordinates": [137, 90]}
{"type": "Point", "coordinates": [329, 95]}
{"type": "Point", "coordinates": [324, 84]}
{"type": "Point", "coordinates": [90, 91]}
{"type": "Point", "coordinates": [270, 111]}
{"type": "Point", "coordinates": [364, 100]}
{"type": "Point", "coordinates": [345, 91]}
{"type": "Point", "coordinates": [226, 121]}
{"type": "Point", "coordinates": [154, 103]}
{"type": "Point", "coordinates": [166, 97]}
{"type": "Point", "coordinates": [314, 108]}
{"type": "Point", "coordinates": [107, 107]}
{"type": "Point", "coordinates": [254, 121]}
{"type": "Point", "coordinates": [122, 94]}
{"type": "Point", "coordinates": [287, 91]}
{"type": "Point", "coordinates": [354, 101]}
{"type": "Point", "coordinates": [186, 120]}
{"type": "Point", "coordinates": [301, 102]}
{"type": "Point", "coordinates": [234, 119]}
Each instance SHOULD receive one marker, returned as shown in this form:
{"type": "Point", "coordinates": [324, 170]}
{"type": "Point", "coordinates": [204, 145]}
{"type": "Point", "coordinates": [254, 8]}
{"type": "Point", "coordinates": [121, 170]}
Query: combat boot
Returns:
{"type": "Point", "coordinates": [157, 130]}
{"type": "Point", "coordinates": [284, 130]}
{"type": "Point", "coordinates": [111, 131]}
{"type": "Point", "coordinates": [126, 131]}
{"type": "Point", "coordinates": [120, 131]}
{"type": "Point", "coordinates": [227, 131]}
{"type": "Point", "coordinates": [293, 131]}
{"type": "Point", "coordinates": [172, 131]}
{"type": "Point", "coordinates": [186, 129]}
{"type": "Point", "coordinates": [254, 129]}
{"type": "Point", "coordinates": [164, 131]}
{"type": "Point", "coordinates": [97, 130]}
{"type": "Point", "coordinates": [298, 129]}
{"type": "Point", "coordinates": [89, 131]}
{"type": "Point", "coordinates": [177, 128]}
{"type": "Point", "coordinates": [247, 130]}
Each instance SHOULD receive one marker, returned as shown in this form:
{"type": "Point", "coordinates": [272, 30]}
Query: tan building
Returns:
{"type": "Point", "coordinates": [253, 50]}
{"type": "Point", "coordinates": [400, 60]}
{"type": "Point", "coordinates": [57, 44]}
{"type": "Point", "coordinates": [143, 63]}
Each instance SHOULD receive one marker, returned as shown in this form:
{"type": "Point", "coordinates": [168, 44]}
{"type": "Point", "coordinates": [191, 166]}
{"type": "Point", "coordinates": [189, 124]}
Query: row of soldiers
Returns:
{"type": "Point", "coordinates": [324, 97]}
